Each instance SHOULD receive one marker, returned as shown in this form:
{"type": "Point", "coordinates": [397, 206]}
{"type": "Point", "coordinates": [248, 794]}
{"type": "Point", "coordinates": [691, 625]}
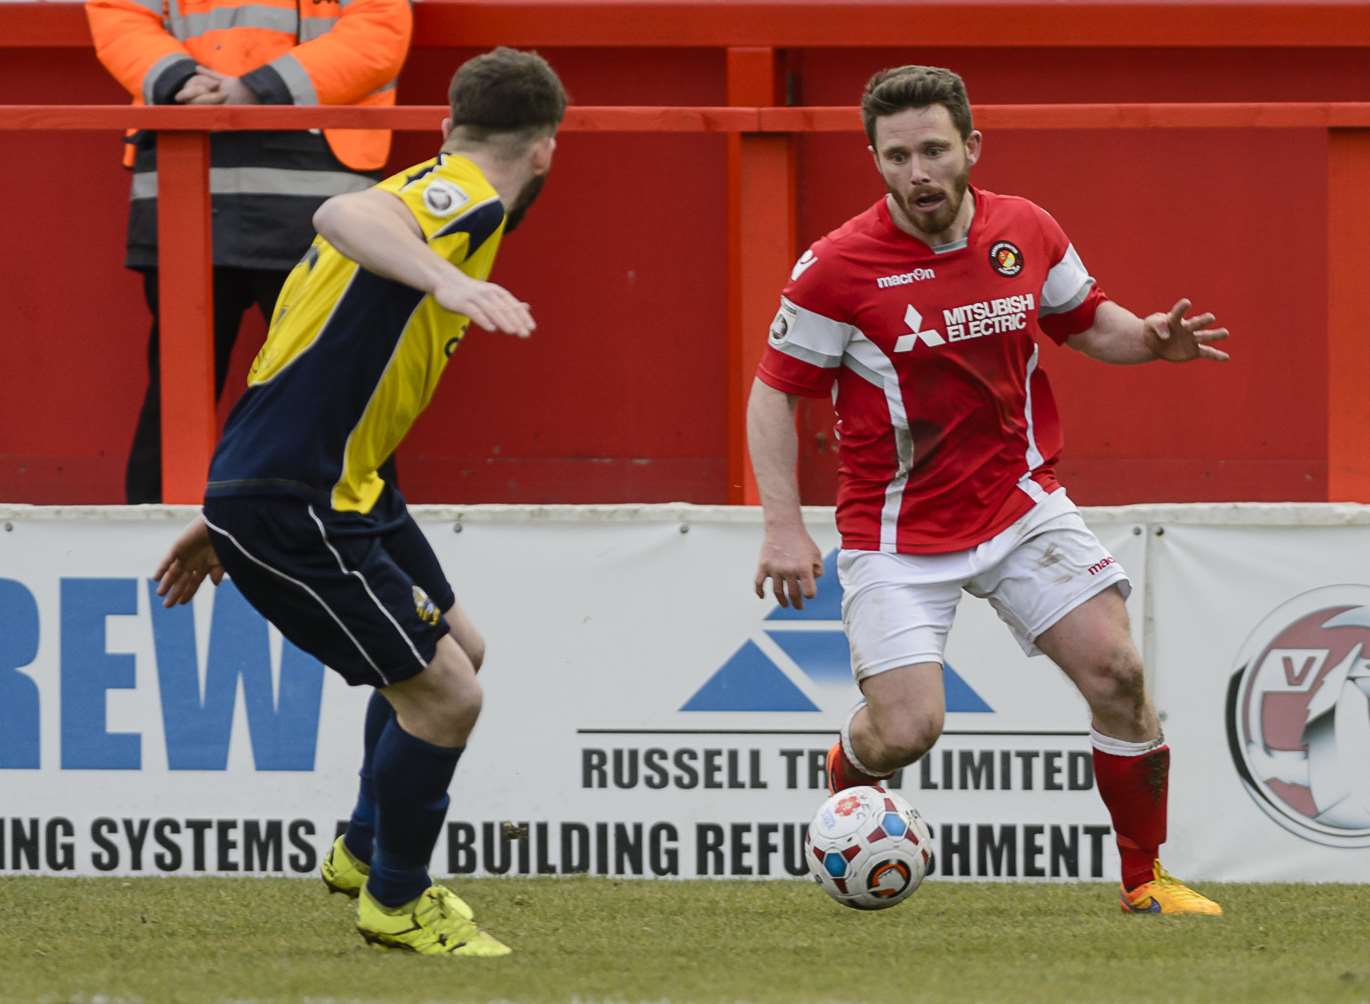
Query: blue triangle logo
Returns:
{"type": "Point", "coordinates": [824, 656]}
{"type": "Point", "coordinates": [961, 696]}
{"type": "Point", "coordinates": [749, 681]}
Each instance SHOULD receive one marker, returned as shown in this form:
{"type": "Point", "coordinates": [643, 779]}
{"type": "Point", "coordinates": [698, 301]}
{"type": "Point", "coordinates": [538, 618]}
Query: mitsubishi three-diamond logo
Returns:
{"type": "Point", "coordinates": [914, 320]}
{"type": "Point", "coordinates": [798, 660]}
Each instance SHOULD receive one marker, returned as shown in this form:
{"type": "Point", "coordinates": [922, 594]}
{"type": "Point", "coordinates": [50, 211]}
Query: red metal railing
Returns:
{"type": "Point", "coordinates": [1078, 24]}
{"type": "Point", "coordinates": [761, 205]}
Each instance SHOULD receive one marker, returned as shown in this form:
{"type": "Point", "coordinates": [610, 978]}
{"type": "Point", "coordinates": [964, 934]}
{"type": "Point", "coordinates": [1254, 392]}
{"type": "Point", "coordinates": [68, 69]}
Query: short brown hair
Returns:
{"type": "Point", "coordinates": [892, 91]}
{"type": "Point", "coordinates": [504, 91]}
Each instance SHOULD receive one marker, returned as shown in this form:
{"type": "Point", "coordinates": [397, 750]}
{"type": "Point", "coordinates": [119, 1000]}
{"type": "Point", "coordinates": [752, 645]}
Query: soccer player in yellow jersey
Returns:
{"type": "Point", "coordinates": [314, 537]}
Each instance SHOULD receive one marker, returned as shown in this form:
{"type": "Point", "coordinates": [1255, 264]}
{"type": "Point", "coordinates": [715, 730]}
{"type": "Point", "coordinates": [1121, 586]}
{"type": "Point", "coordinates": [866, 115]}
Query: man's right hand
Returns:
{"type": "Point", "coordinates": [189, 562]}
{"type": "Point", "coordinates": [493, 307]}
{"type": "Point", "coordinates": [200, 89]}
{"type": "Point", "coordinates": [793, 563]}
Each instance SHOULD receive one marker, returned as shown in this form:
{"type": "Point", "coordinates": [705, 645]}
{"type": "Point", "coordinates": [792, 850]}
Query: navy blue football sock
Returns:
{"type": "Point", "coordinates": [410, 780]}
{"type": "Point", "coordinates": [361, 828]}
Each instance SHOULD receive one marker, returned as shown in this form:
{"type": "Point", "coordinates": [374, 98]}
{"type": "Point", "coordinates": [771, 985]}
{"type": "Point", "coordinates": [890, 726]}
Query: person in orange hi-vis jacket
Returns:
{"type": "Point", "coordinates": [264, 186]}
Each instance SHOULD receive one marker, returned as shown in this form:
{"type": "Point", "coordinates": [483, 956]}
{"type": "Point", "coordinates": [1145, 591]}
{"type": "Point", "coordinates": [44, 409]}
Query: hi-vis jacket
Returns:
{"type": "Point", "coordinates": [264, 186]}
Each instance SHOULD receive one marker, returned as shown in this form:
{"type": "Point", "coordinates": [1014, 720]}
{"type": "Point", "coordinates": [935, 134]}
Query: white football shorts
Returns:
{"type": "Point", "coordinates": [898, 608]}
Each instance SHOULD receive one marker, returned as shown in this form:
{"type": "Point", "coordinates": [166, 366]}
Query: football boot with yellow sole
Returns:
{"type": "Point", "coordinates": [1167, 894]}
{"type": "Point", "coordinates": [433, 924]}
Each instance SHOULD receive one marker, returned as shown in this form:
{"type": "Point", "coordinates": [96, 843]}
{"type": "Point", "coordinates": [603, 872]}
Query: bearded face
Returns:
{"type": "Point", "coordinates": [931, 207]}
{"type": "Point", "coordinates": [925, 164]}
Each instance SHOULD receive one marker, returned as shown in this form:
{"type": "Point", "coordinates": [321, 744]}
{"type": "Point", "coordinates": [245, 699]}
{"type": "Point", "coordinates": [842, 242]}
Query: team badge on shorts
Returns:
{"type": "Point", "coordinates": [426, 609]}
{"type": "Point", "coordinates": [1005, 258]}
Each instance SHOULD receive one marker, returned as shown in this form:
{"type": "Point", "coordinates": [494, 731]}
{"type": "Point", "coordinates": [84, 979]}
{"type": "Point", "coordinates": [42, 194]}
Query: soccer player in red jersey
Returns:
{"type": "Point", "coordinates": [922, 318]}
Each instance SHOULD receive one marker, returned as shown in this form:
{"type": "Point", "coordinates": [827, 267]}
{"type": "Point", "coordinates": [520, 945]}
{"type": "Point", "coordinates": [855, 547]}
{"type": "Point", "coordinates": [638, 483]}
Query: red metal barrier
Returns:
{"type": "Point", "coordinates": [820, 23]}
{"type": "Point", "coordinates": [762, 204]}
{"type": "Point", "coordinates": [761, 55]}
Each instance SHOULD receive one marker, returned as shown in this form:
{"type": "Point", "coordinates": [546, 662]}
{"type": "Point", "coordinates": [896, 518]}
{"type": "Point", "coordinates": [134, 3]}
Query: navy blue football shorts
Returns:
{"type": "Point", "coordinates": [363, 594]}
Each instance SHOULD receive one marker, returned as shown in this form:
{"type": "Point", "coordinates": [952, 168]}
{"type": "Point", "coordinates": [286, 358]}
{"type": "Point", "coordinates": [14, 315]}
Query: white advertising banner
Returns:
{"type": "Point", "coordinates": [645, 713]}
{"type": "Point", "coordinates": [1262, 650]}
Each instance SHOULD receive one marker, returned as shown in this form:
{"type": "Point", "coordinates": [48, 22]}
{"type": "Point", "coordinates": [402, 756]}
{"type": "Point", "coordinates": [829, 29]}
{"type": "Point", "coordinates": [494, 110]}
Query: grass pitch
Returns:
{"type": "Point", "coordinates": [111, 940]}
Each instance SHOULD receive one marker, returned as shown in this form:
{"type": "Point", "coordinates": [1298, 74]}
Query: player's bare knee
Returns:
{"type": "Point", "coordinates": [440, 704]}
{"type": "Point", "coordinates": [906, 737]}
{"type": "Point", "coordinates": [461, 695]}
{"type": "Point", "coordinates": [1117, 685]}
{"type": "Point", "coordinates": [454, 710]}
{"type": "Point", "coordinates": [461, 718]}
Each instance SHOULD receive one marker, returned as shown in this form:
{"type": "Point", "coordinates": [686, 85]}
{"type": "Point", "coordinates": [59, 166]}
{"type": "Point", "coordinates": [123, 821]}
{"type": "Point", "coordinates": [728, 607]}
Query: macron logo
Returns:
{"type": "Point", "coordinates": [905, 278]}
{"type": "Point", "coordinates": [802, 265]}
{"type": "Point", "coordinates": [914, 320]}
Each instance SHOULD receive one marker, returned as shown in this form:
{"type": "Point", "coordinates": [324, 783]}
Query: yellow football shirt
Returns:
{"type": "Point", "coordinates": [352, 359]}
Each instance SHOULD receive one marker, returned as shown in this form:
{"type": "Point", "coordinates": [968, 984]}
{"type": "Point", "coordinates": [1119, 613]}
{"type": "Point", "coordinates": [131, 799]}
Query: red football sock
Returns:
{"type": "Point", "coordinates": [1134, 789]}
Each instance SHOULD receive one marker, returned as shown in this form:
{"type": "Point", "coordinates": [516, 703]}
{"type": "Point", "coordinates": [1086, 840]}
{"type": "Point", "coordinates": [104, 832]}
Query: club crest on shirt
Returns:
{"type": "Point", "coordinates": [426, 609]}
{"type": "Point", "coordinates": [442, 198]}
{"type": "Point", "coordinates": [1005, 258]}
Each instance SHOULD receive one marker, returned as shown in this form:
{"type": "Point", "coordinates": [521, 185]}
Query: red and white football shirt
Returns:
{"type": "Point", "coordinates": [948, 430]}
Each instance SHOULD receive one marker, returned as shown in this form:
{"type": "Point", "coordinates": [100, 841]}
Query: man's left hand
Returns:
{"type": "Point", "coordinates": [219, 89]}
{"type": "Point", "coordinates": [1178, 339]}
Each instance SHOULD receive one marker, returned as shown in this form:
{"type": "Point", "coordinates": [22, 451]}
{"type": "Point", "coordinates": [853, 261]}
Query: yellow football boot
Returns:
{"type": "Point", "coordinates": [341, 872]}
{"type": "Point", "coordinates": [433, 924]}
{"type": "Point", "coordinates": [1167, 894]}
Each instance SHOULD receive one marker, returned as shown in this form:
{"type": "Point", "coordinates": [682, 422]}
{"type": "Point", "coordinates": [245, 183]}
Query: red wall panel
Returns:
{"type": "Point", "coordinates": [620, 396]}
{"type": "Point", "coordinates": [72, 366]}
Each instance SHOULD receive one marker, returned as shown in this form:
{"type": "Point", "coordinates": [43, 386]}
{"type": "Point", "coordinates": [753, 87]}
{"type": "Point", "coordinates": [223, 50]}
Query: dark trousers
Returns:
{"type": "Point", "coordinates": [235, 291]}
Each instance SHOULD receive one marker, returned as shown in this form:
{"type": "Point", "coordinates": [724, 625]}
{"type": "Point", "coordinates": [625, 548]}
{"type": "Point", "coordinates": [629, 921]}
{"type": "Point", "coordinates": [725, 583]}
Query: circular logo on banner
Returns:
{"type": "Point", "coordinates": [1298, 715]}
{"type": "Point", "coordinates": [1005, 258]}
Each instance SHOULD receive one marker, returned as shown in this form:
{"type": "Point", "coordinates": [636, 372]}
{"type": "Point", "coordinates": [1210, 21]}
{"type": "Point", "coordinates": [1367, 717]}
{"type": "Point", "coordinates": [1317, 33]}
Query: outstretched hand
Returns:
{"type": "Point", "coordinates": [1178, 339]}
{"type": "Point", "coordinates": [793, 563]}
{"type": "Point", "coordinates": [493, 307]}
{"type": "Point", "coordinates": [190, 560]}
